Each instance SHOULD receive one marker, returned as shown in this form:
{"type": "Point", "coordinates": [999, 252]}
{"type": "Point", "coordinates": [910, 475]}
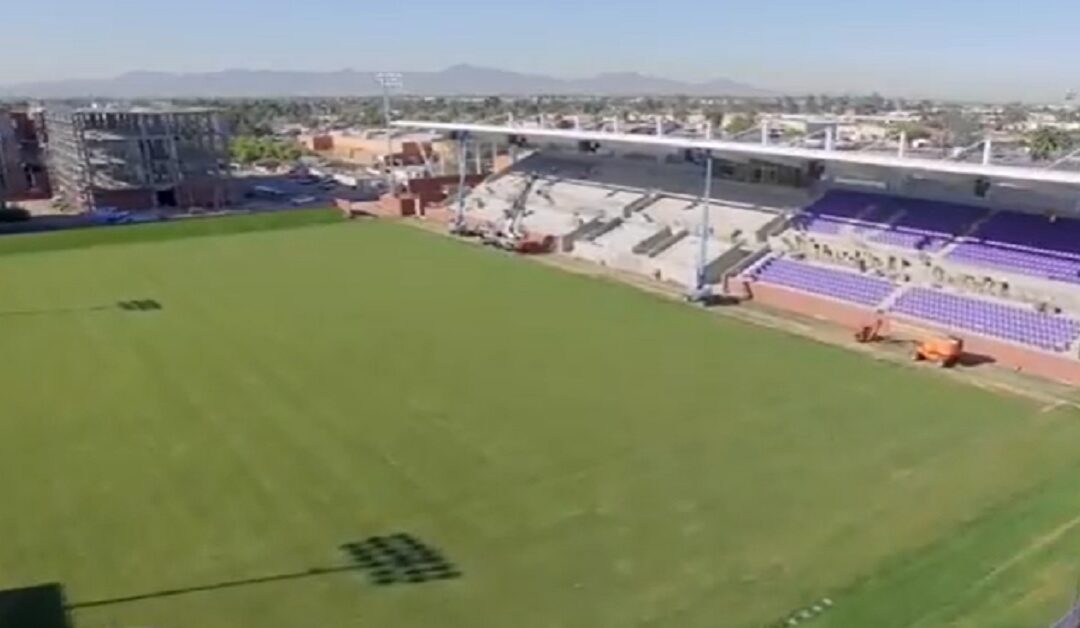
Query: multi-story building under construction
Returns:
{"type": "Point", "coordinates": [23, 173]}
{"type": "Point", "coordinates": [138, 158]}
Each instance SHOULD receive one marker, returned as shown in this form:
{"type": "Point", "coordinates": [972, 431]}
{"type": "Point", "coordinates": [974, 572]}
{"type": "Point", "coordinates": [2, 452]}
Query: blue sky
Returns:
{"type": "Point", "coordinates": [959, 48]}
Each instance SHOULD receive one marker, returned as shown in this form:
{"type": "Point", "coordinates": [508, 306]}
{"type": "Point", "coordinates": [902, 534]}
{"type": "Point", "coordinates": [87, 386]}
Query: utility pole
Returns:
{"type": "Point", "coordinates": [389, 81]}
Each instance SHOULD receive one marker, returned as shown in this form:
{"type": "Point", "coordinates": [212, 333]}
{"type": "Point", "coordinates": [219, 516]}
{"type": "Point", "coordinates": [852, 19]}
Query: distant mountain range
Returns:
{"type": "Point", "coordinates": [457, 80]}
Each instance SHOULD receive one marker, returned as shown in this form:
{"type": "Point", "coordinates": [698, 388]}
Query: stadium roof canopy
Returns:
{"type": "Point", "coordinates": [851, 158]}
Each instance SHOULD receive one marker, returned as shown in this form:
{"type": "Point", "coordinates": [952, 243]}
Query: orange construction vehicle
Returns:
{"type": "Point", "coordinates": [872, 332]}
{"type": "Point", "coordinates": [945, 350]}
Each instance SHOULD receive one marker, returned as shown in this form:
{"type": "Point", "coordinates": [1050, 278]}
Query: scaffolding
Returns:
{"type": "Point", "coordinates": [137, 157]}
{"type": "Point", "coordinates": [7, 143]}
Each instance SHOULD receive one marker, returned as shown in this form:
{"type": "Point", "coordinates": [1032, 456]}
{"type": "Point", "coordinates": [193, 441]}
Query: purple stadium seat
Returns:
{"type": "Point", "coordinates": [1018, 324]}
{"type": "Point", "coordinates": [927, 225]}
{"type": "Point", "coordinates": [834, 210]}
{"type": "Point", "coordinates": [922, 225]}
{"type": "Point", "coordinates": [1027, 244]}
{"type": "Point", "coordinates": [838, 284]}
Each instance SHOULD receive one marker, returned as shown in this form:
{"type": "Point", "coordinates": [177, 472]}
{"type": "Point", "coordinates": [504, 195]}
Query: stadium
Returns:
{"type": "Point", "coordinates": [983, 252]}
{"type": "Point", "coordinates": [291, 419]}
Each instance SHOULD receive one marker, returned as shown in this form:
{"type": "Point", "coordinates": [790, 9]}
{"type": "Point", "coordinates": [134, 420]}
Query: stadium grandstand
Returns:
{"type": "Point", "coordinates": [989, 253]}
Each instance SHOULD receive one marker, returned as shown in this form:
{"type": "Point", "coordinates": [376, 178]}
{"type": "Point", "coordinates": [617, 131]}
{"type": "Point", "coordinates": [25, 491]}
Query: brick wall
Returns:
{"type": "Point", "coordinates": [1058, 368]}
{"type": "Point", "coordinates": [432, 190]}
{"type": "Point", "coordinates": [203, 194]}
{"type": "Point", "coordinates": [124, 199]}
{"type": "Point", "coordinates": [852, 316]}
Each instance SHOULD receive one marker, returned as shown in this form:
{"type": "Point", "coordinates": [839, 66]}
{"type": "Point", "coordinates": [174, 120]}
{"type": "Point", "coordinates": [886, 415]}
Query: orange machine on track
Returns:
{"type": "Point", "coordinates": [943, 350]}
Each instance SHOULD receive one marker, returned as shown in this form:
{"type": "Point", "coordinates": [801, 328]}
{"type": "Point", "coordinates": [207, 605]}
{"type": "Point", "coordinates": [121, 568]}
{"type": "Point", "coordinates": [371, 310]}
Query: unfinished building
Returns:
{"type": "Point", "coordinates": [8, 155]}
{"type": "Point", "coordinates": [22, 155]}
{"type": "Point", "coordinates": [138, 158]}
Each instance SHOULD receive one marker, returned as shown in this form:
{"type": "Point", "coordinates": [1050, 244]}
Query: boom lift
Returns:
{"type": "Point", "coordinates": [945, 351]}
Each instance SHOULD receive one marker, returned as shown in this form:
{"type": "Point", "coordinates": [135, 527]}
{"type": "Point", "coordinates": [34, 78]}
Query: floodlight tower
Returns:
{"type": "Point", "coordinates": [702, 291]}
{"type": "Point", "coordinates": [457, 225]}
{"type": "Point", "coordinates": [389, 81]}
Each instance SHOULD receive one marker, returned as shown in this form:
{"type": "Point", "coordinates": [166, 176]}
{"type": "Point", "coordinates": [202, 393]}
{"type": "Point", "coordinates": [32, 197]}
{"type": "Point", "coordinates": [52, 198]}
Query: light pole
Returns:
{"type": "Point", "coordinates": [389, 81]}
{"type": "Point", "coordinates": [701, 289]}
{"type": "Point", "coordinates": [458, 225]}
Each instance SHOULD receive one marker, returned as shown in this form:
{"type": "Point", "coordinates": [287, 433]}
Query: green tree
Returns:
{"type": "Point", "coordinates": [250, 149]}
{"type": "Point", "coordinates": [741, 123]}
{"type": "Point", "coordinates": [914, 131]}
{"type": "Point", "coordinates": [1046, 142]}
{"type": "Point", "coordinates": [716, 119]}
{"type": "Point", "coordinates": [961, 129]}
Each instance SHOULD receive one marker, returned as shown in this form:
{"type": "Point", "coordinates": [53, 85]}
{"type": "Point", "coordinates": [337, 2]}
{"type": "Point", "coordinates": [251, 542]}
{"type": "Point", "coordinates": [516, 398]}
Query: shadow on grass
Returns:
{"type": "Point", "coordinates": [137, 305]}
{"type": "Point", "coordinates": [969, 360]}
{"type": "Point", "coordinates": [400, 559]}
{"type": "Point", "coordinates": [314, 572]}
{"type": "Point", "coordinates": [395, 559]}
{"type": "Point", "coordinates": [40, 606]}
{"type": "Point", "coordinates": [56, 311]}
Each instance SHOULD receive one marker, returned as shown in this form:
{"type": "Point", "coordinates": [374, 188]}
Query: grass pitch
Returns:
{"type": "Point", "coordinates": [580, 453]}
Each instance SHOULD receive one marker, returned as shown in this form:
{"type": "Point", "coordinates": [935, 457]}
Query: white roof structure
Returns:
{"type": "Point", "coordinates": [910, 164]}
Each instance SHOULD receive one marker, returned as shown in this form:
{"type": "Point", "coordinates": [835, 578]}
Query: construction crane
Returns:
{"type": "Point", "coordinates": [458, 225]}
{"type": "Point", "coordinates": [509, 234]}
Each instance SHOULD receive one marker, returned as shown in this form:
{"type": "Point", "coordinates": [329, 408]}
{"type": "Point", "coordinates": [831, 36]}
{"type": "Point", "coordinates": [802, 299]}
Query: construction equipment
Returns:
{"type": "Point", "coordinates": [944, 351]}
{"type": "Point", "coordinates": [510, 234]}
{"type": "Point", "coordinates": [871, 332]}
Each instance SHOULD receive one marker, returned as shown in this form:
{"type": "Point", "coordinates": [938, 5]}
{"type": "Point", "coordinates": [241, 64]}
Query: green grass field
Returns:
{"type": "Point", "coordinates": [585, 455]}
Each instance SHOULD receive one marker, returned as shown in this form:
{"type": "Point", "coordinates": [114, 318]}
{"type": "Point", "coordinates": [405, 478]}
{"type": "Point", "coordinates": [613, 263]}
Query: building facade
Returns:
{"type": "Point", "coordinates": [22, 156]}
{"type": "Point", "coordinates": [138, 158]}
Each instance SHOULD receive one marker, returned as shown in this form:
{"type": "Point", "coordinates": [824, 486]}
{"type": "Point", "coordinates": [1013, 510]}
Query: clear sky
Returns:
{"type": "Point", "coordinates": [958, 48]}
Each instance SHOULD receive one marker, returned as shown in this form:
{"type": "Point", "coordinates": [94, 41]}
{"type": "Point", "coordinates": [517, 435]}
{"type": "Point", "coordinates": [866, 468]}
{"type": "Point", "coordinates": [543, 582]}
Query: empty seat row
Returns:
{"type": "Point", "coordinates": [1042, 330]}
{"type": "Point", "coordinates": [837, 284]}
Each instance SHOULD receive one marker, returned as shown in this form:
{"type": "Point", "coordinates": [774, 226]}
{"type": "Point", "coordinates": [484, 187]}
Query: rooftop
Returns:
{"type": "Point", "coordinates": [143, 110]}
{"type": "Point", "coordinates": [915, 165]}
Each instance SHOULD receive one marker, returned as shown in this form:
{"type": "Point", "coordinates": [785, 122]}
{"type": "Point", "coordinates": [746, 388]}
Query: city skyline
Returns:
{"type": "Point", "coordinates": [988, 50]}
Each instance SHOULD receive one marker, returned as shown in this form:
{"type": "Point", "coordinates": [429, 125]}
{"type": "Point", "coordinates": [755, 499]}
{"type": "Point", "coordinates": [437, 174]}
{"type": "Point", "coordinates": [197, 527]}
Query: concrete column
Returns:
{"type": "Point", "coordinates": [897, 184]}
{"type": "Point", "coordinates": [615, 124]}
{"type": "Point", "coordinates": [988, 151]}
{"type": "Point", "coordinates": [577, 123]}
{"type": "Point", "coordinates": [494, 154]}
{"type": "Point", "coordinates": [830, 138]}
{"type": "Point", "coordinates": [708, 130]}
{"type": "Point", "coordinates": [479, 151]}
{"type": "Point", "coordinates": [764, 132]}
{"type": "Point", "coordinates": [659, 126]}
{"type": "Point", "coordinates": [901, 150]}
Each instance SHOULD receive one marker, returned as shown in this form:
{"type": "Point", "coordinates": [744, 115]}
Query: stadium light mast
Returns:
{"type": "Point", "coordinates": [458, 224]}
{"type": "Point", "coordinates": [701, 291]}
{"type": "Point", "coordinates": [389, 81]}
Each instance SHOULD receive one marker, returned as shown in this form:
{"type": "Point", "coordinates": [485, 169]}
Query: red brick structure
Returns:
{"type": "Point", "coordinates": [1054, 367]}
{"type": "Point", "coordinates": [435, 190]}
